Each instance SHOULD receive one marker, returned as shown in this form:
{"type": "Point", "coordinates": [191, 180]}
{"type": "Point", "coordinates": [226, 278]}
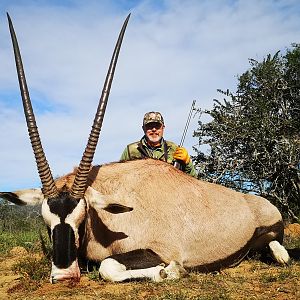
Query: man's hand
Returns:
{"type": "Point", "coordinates": [182, 155]}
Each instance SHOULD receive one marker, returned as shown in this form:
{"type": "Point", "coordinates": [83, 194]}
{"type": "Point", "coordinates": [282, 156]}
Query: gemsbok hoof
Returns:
{"type": "Point", "coordinates": [175, 271]}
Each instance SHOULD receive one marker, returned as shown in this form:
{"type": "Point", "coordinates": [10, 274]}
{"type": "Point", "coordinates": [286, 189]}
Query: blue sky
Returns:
{"type": "Point", "coordinates": [173, 52]}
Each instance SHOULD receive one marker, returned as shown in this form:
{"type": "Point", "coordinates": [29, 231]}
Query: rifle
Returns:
{"type": "Point", "coordinates": [177, 164]}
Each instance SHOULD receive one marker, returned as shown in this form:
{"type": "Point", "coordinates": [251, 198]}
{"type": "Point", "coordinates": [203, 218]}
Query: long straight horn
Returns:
{"type": "Point", "coordinates": [49, 188]}
{"type": "Point", "coordinates": [79, 185]}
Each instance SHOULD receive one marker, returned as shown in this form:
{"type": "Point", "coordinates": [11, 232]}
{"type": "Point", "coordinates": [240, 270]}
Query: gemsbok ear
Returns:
{"type": "Point", "coordinates": [24, 197]}
{"type": "Point", "coordinates": [105, 202]}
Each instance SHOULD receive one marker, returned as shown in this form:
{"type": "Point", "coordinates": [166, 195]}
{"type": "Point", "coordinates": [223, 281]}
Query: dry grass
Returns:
{"type": "Point", "coordinates": [251, 280]}
{"type": "Point", "coordinates": [24, 275]}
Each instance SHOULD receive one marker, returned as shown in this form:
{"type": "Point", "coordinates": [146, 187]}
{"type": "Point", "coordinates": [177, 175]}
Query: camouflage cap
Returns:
{"type": "Point", "coordinates": [153, 116]}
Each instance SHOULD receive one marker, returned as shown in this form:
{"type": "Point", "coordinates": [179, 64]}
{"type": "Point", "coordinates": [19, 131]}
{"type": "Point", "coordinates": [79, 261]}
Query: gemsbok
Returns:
{"type": "Point", "coordinates": [141, 218]}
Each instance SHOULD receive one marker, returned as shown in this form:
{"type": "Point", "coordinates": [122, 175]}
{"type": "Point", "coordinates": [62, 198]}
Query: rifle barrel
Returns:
{"type": "Point", "coordinates": [187, 124]}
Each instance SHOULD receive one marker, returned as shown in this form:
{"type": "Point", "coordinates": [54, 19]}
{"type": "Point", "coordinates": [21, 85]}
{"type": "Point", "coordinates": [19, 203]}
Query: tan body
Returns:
{"type": "Point", "coordinates": [196, 223]}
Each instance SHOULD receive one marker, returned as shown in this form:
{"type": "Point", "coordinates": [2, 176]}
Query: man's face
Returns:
{"type": "Point", "coordinates": [154, 132]}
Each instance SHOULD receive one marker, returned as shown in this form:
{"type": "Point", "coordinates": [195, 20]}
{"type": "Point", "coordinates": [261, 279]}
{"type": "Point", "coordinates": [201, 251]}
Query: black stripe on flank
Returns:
{"type": "Point", "coordinates": [64, 247]}
{"type": "Point", "coordinates": [132, 260]}
{"type": "Point", "coordinates": [103, 235]}
{"type": "Point", "coordinates": [235, 258]}
{"type": "Point", "coordinates": [11, 197]}
{"type": "Point", "coordinates": [138, 259]}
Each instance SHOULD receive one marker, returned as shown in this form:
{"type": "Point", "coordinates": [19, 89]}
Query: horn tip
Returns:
{"type": "Point", "coordinates": [9, 20]}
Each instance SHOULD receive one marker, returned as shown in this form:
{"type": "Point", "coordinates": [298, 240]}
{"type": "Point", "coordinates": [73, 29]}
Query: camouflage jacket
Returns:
{"type": "Point", "coordinates": [164, 152]}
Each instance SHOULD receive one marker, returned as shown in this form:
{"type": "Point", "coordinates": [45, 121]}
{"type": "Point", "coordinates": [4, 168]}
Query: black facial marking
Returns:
{"type": "Point", "coordinates": [64, 247]}
{"type": "Point", "coordinates": [62, 206]}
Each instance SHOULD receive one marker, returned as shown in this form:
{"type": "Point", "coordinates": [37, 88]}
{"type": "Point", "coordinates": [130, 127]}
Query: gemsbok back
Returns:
{"type": "Point", "coordinates": [141, 218]}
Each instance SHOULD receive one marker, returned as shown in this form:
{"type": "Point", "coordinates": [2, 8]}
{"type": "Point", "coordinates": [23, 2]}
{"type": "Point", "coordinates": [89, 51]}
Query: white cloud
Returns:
{"type": "Point", "coordinates": [172, 53]}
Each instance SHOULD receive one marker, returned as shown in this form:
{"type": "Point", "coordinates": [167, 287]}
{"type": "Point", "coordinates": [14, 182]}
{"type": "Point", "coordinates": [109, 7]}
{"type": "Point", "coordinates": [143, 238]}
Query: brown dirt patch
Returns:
{"type": "Point", "coordinates": [250, 280]}
{"type": "Point", "coordinates": [292, 230]}
{"type": "Point", "coordinates": [7, 277]}
{"type": "Point", "coordinates": [18, 251]}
